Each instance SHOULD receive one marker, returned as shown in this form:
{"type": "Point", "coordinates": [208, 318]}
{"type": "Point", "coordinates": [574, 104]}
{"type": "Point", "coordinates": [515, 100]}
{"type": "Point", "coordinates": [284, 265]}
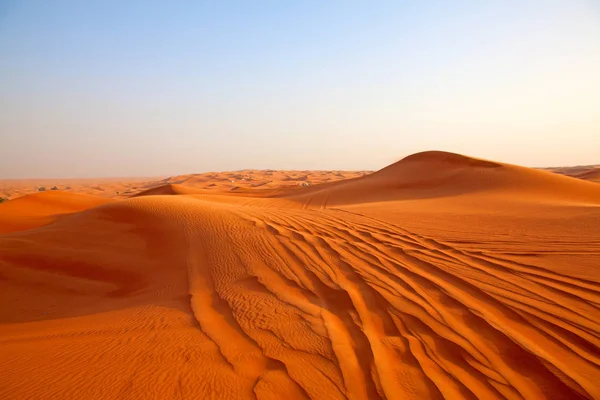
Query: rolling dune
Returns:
{"type": "Point", "coordinates": [587, 172]}
{"type": "Point", "coordinates": [168, 189]}
{"type": "Point", "coordinates": [42, 208]}
{"type": "Point", "coordinates": [438, 174]}
{"type": "Point", "coordinates": [215, 181]}
{"type": "Point", "coordinates": [592, 175]}
{"type": "Point", "coordinates": [439, 277]}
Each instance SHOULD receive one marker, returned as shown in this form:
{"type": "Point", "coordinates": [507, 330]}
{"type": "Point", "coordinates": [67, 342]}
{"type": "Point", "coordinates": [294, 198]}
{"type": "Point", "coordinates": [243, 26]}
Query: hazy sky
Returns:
{"type": "Point", "coordinates": [145, 88]}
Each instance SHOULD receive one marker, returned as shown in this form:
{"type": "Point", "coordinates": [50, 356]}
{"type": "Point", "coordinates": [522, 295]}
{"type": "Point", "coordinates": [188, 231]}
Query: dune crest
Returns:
{"type": "Point", "coordinates": [168, 189]}
{"type": "Point", "coordinates": [587, 172]}
{"type": "Point", "coordinates": [438, 277]}
{"type": "Point", "coordinates": [41, 208]}
{"type": "Point", "coordinates": [436, 156]}
{"type": "Point", "coordinates": [437, 174]}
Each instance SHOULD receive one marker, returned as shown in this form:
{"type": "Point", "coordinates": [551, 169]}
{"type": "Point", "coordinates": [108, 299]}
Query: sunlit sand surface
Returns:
{"type": "Point", "coordinates": [439, 277]}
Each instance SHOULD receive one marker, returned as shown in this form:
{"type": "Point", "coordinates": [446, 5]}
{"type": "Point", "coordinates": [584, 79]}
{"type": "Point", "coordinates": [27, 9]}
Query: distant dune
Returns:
{"type": "Point", "coordinates": [441, 276]}
{"type": "Point", "coordinates": [167, 189]}
{"type": "Point", "coordinates": [592, 175]}
{"type": "Point", "coordinates": [585, 172]}
{"type": "Point", "coordinates": [438, 174]}
{"type": "Point", "coordinates": [222, 181]}
{"type": "Point", "coordinates": [104, 187]}
{"type": "Point", "coordinates": [121, 188]}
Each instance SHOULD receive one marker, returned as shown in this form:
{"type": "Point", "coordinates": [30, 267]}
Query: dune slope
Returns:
{"type": "Point", "coordinates": [168, 189]}
{"type": "Point", "coordinates": [586, 172]}
{"type": "Point", "coordinates": [592, 175]}
{"type": "Point", "coordinates": [436, 174]}
{"type": "Point", "coordinates": [41, 208]}
{"type": "Point", "coordinates": [397, 296]}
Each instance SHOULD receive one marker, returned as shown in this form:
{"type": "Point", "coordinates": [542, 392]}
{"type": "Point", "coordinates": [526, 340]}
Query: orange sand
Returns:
{"type": "Point", "coordinates": [441, 276]}
{"type": "Point", "coordinates": [126, 187]}
{"type": "Point", "coordinates": [585, 172]}
{"type": "Point", "coordinates": [103, 187]}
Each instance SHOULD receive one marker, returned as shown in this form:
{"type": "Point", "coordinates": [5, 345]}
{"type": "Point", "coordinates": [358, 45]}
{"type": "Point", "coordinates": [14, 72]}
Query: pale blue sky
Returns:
{"type": "Point", "coordinates": [145, 88]}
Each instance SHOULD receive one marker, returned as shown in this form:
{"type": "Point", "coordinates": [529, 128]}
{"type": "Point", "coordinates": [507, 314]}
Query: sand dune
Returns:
{"type": "Point", "coordinates": [592, 175]}
{"type": "Point", "coordinates": [103, 187]}
{"type": "Point", "coordinates": [42, 208]}
{"type": "Point", "coordinates": [439, 277]}
{"type": "Point", "coordinates": [439, 174]}
{"type": "Point", "coordinates": [167, 189]}
{"type": "Point", "coordinates": [586, 172]}
{"type": "Point", "coordinates": [121, 188]}
{"type": "Point", "coordinates": [217, 181]}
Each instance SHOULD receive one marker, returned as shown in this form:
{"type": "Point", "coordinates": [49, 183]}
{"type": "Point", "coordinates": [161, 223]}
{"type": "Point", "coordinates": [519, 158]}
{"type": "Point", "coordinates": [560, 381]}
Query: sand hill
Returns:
{"type": "Point", "coordinates": [586, 172]}
{"type": "Point", "coordinates": [439, 277]}
{"type": "Point", "coordinates": [438, 174]}
{"type": "Point", "coordinates": [38, 209]}
{"type": "Point", "coordinates": [168, 189]}
{"type": "Point", "coordinates": [121, 188]}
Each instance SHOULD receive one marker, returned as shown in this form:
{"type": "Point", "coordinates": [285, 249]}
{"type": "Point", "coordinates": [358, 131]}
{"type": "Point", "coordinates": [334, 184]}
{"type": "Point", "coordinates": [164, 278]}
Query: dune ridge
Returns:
{"type": "Point", "coordinates": [410, 283]}
{"type": "Point", "coordinates": [592, 175]}
{"type": "Point", "coordinates": [42, 208]}
{"type": "Point", "coordinates": [167, 189]}
{"type": "Point", "coordinates": [586, 172]}
{"type": "Point", "coordinates": [438, 174]}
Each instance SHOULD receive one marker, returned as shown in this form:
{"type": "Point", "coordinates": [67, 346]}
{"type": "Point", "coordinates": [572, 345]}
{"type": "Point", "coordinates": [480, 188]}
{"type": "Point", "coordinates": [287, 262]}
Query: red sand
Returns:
{"type": "Point", "coordinates": [440, 276]}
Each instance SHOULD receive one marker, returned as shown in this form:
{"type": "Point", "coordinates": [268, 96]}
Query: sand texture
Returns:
{"type": "Point", "coordinates": [439, 277]}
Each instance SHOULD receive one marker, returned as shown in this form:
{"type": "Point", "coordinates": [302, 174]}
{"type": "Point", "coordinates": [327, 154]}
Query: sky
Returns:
{"type": "Point", "coordinates": [104, 88]}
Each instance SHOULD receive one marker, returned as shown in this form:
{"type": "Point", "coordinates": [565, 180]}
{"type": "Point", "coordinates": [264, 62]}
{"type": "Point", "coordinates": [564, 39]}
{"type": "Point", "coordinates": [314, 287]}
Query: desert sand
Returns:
{"type": "Point", "coordinates": [441, 276]}
{"type": "Point", "coordinates": [586, 172]}
{"type": "Point", "coordinates": [219, 181]}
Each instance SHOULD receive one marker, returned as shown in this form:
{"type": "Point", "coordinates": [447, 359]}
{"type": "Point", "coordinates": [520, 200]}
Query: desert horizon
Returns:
{"type": "Point", "coordinates": [327, 200]}
{"type": "Point", "coordinates": [126, 186]}
{"type": "Point", "coordinates": [439, 276]}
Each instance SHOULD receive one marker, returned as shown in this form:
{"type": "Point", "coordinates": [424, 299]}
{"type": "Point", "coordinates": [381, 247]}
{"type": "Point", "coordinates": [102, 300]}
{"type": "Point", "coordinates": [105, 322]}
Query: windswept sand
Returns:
{"type": "Point", "coordinates": [440, 276]}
